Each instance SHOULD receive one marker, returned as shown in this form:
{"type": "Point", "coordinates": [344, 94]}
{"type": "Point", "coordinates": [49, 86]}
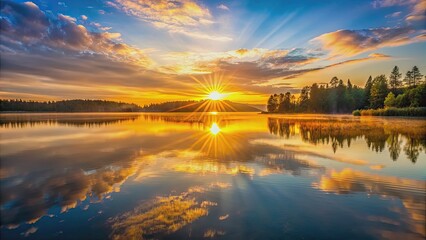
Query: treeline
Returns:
{"type": "Point", "coordinates": [199, 106]}
{"type": "Point", "coordinates": [340, 97]}
{"type": "Point", "coordinates": [67, 106]}
{"type": "Point", "coordinates": [174, 106]}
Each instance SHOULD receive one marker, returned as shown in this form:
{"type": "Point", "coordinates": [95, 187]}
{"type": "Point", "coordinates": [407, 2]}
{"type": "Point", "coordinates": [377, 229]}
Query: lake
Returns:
{"type": "Point", "coordinates": [211, 175]}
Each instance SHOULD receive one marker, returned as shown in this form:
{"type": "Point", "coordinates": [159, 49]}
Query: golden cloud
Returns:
{"type": "Point", "coordinates": [354, 42]}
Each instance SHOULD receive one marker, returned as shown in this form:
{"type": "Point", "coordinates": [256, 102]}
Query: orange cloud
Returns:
{"type": "Point", "coordinates": [181, 16]}
{"type": "Point", "coordinates": [354, 42]}
{"type": "Point", "coordinates": [409, 191]}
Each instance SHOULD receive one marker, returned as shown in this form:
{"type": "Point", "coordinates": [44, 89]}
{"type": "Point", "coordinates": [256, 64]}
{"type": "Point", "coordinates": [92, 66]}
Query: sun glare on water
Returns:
{"type": "Point", "coordinates": [215, 95]}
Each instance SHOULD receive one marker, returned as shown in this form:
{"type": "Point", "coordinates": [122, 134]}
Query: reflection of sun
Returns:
{"type": "Point", "coordinates": [215, 95]}
{"type": "Point", "coordinates": [214, 129]}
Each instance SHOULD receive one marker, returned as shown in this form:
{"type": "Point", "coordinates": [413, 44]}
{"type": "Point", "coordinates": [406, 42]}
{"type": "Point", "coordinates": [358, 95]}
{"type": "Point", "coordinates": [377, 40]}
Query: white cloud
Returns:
{"type": "Point", "coordinates": [223, 7]}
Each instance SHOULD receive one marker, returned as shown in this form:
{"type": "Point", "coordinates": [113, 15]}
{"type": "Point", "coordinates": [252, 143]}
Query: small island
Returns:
{"type": "Point", "coordinates": [380, 96]}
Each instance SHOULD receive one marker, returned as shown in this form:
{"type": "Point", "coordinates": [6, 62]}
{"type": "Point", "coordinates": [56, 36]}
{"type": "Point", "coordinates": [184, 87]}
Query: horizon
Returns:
{"type": "Point", "coordinates": [144, 52]}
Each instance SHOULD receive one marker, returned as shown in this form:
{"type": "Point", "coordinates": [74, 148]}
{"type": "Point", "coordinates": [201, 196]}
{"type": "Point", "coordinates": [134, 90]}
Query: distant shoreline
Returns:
{"type": "Point", "coordinates": [87, 105]}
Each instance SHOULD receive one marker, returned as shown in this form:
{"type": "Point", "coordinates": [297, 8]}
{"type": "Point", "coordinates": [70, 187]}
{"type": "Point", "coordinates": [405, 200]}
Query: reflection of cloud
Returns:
{"type": "Point", "coordinates": [212, 167]}
{"type": "Point", "coordinates": [163, 215]}
{"type": "Point", "coordinates": [410, 192]}
{"type": "Point", "coordinates": [29, 203]}
{"type": "Point", "coordinates": [30, 231]}
{"type": "Point", "coordinates": [211, 233]}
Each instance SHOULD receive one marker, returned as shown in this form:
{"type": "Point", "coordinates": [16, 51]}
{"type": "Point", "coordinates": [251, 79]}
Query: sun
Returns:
{"type": "Point", "coordinates": [215, 95]}
{"type": "Point", "coordinates": [214, 129]}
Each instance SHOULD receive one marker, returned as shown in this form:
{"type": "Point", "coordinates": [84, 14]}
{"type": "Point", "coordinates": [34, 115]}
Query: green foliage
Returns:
{"type": "Point", "coordinates": [319, 99]}
{"type": "Point", "coordinates": [390, 100]}
{"type": "Point", "coordinates": [356, 113]}
{"type": "Point", "coordinates": [392, 111]}
{"type": "Point", "coordinates": [379, 91]}
{"type": "Point", "coordinates": [412, 97]}
{"type": "Point", "coordinates": [341, 98]}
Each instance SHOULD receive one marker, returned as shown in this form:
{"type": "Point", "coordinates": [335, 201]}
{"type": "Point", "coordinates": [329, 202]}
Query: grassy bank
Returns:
{"type": "Point", "coordinates": [409, 112]}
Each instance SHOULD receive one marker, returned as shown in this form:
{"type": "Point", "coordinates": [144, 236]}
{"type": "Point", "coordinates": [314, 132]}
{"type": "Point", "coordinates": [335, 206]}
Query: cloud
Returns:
{"type": "Point", "coordinates": [166, 14]}
{"type": "Point", "coordinates": [394, 15]}
{"type": "Point", "coordinates": [25, 28]}
{"type": "Point", "coordinates": [354, 42]}
{"type": "Point", "coordinates": [185, 17]}
{"type": "Point", "coordinates": [195, 62]}
{"type": "Point", "coordinates": [83, 17]}
{"type": "Point", "coordinates": [223, 7]}
{"type": "Point", "coordinates": [418, 13]}
{"type": "Point", "coordinates": [390, 3]}
{"type": "Point", "coordinates": [417, 8]}
{"type": "Point", "coordinates": [201, 35]}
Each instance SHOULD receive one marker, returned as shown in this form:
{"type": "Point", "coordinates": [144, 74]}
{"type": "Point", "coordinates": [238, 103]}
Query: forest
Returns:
{"type": "Point", "coordinates": [67, 106]}
{"type": "Point", "coordinates": [340, 97]}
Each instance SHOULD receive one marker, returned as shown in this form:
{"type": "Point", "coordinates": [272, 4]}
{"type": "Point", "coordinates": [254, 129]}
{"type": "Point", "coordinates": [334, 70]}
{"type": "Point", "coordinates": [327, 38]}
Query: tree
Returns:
{"type": "Point", "coordinates": [304, 99]}
{"type": "Point", "coordinates": [349, 84]}
{"type": "Point", "coordinates": [272, 104]}
{"type": "Point", "coordinates": [409, 78]}
{"type": "Point", "coordinates": [394, 78]}
{"type": "Point", "coordinates": [416, 75]}
{"type": "Point", "coordinates": [367, 90]}
{"type": "Point", "coordinates": [379, 91]}
{"type": "Point", "coordinates": [334, 82]}
{"type": "Point", "coordinates": [390, 100]}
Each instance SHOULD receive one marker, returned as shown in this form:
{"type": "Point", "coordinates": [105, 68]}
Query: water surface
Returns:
{"type": "Point", "coordinates": [213, 175]}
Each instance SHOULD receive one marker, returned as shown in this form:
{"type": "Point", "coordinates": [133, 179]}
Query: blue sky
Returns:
{"type": "Point", "coordinates": [138, 50]}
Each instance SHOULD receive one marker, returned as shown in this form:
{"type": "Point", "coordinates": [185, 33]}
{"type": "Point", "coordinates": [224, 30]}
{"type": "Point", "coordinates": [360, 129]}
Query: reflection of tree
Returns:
{"type": "Point", "coordinates": [412, 148]}
{"type": "Point", "coordinates": [376, 139]}
{"type": "Point", "coordinates": [79, 120]}
{"type": "Point", "coordinates": [338, 133]}
{"type": "Point", "coordinates": [394, 146]}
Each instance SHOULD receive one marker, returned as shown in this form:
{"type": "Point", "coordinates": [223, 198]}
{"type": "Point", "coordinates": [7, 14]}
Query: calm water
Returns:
{"type": "Point", "coordinates": [227, 176]}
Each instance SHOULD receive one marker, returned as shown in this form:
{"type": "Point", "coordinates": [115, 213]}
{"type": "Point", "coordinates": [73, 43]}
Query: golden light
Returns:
{"type": "Point", "coordinates": [214, 129]}
{"type": "Point", "coordinates": [215, 95]}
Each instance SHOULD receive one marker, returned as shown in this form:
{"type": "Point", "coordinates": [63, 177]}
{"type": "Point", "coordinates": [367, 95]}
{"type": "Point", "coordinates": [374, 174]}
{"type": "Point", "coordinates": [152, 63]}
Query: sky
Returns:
{"type": "Point", "coordinates": [150, 51]}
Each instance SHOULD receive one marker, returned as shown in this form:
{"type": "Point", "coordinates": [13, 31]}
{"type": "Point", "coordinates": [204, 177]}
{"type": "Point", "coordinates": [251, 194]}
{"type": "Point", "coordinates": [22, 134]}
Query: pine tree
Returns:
{"type": "Point", "coordinates": [394, 78]}
{"type": "Point", "coordinates": [416, 75]}
{"type": "Point", "coordinates": [409, 78]}
{"type": "Point", "coordinates": [367, 90]}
